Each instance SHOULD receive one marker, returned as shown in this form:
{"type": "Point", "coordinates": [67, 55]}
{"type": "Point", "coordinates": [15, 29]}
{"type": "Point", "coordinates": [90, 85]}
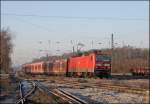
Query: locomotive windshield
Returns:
{"type": "Point", "coordinates": [103, 58]}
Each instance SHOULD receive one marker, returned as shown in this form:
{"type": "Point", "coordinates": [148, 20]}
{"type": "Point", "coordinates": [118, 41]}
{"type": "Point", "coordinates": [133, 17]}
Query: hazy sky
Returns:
{"type": "Point", "coordinates": [79, 21]}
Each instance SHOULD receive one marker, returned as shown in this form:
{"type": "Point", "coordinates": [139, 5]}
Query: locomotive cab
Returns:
{"type": "Point", "coordinates": [102, 65]}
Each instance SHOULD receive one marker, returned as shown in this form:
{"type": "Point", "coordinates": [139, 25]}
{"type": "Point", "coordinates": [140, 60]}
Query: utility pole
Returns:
{"type": "Point", "coordinates": [99, 44]}
{"type": "Point", "coordinates": [112, 42]}
{"type": "Point", "coordinates": [72, 46]}
{"type": "Point", "coordinates": [123, 44]}
{"type": "Point", "coordinates": [58, 50]}
{"type": "Point", "coordinates": [112, 51]}
{"type": "Point", "coordinates": [92, 44]}
{"type": "Point", "coordinates": [49, 43]}
{"type": "Point", "coordinates": [73, 49]}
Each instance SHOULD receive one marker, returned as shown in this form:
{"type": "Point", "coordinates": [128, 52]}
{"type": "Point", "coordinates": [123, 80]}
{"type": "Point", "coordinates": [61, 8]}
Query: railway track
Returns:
{"type": "Point", "coordinates": [24, 96]}
{"type": "Point", "coordinates": [125, 89]}
{"type": "Point", "coordinates": [59, 93]}
{"type": "Point", "coordinates": [108, 86]}
{"type": "Point", "coordinates": [94, 89]}
{"type": "Point", "coordinates": [60, 96]}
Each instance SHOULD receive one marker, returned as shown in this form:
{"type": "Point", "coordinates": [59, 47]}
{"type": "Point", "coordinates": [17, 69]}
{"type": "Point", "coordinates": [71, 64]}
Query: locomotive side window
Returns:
{"type": "Point", "coordinates": [35, 67]}
{"type": "Point", "coordinates": [103, 58]}
{"type": "Point", "coordinates": [50, 65]}
{"type": "Point", "coordinates": [43, 66]}
{"type": "Point", "coordinates": [32, 67]}
{"type": "Point", "coordinates": [39, 66]}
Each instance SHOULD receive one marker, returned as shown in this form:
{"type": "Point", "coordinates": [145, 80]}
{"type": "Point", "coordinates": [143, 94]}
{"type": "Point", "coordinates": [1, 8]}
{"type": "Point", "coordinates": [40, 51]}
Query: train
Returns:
{"type": "Point", "coordinates": [92, 63]}
{"type": "Point", "coordinates": [140, 71]}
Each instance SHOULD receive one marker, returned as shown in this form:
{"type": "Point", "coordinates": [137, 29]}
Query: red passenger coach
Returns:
{"type": "Point", "coordinates": [26, 68]}
{"type": "Point", "coordinates": [38, 68]}
{"type": "Point", "coordinates": [48, 68]}
{"type": "Point", "coordinates": [93, 63]}
{"type": "Point", "coordinates": [59, 67]}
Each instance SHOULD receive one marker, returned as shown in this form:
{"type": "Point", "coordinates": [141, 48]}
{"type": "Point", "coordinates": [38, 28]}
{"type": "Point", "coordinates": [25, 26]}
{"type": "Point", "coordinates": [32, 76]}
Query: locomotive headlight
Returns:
{"type": "Point", "coordinates": [106, 64]}
{"type": "Point", "coordinates": [98, 64]}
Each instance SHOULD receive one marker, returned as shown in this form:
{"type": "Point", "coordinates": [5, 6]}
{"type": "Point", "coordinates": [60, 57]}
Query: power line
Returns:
{"type": "Point", "coordinates": [73, 17]}
{"type": "Point", "coordinates": [36, 25]}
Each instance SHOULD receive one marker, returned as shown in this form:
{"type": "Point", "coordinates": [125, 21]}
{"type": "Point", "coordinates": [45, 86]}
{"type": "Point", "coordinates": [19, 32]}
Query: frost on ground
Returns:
{"type": "Point", "coordinates": [90, 91]}
{"type": "Point", "coordinates": [8, 90]}
{"type": "Point", "coordinates": [95, 96]}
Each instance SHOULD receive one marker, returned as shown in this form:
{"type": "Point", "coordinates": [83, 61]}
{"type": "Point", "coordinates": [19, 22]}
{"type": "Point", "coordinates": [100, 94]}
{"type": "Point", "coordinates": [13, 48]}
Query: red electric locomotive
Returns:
{"type": "Point", "coordinates": [94, 63]}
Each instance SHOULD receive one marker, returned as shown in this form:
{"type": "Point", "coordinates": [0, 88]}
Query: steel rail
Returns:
{"type": "Point", "coordinates": [44, 89]}
{"type": "Point", "coordinates": [71, 97]}
{"type": "Point", "coordinates": [23, 98]}
{"type": "Point", "coordinates": [111, 86]}
{"type": "Point", "coordinates": [62, 94]}
{"type": "Point", "coordinates": [125, 89]}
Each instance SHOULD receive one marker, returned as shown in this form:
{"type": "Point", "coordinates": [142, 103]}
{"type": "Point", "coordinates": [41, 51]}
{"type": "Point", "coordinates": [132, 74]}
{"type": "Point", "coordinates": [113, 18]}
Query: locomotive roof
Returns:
{"type": "Point", "coordinates": [36, 63]}
{"type": "Point", "coordinates": [95, 51]}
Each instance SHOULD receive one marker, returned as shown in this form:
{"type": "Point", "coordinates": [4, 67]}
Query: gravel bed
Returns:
{"type": "Point", "coordinates": [9, 92]}
{"type": "Point", "coordinates": [98, 96]}
{"type": "Point", "coordinates": [81, 88]}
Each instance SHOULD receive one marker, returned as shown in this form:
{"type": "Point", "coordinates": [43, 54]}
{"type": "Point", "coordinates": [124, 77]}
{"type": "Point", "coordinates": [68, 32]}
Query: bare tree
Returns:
{"type": "Point", "coordinates": [5, 50]}
{"type": "Point", "coordinates": [127, 57]}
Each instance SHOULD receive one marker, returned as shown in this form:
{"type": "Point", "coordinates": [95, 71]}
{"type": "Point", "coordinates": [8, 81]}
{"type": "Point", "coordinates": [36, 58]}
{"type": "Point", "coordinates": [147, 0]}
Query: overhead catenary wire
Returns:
{"type": "Point", "coordinates": [33, 24]}
{"type": "Point", "coordinates": [74, 17]}
{"type": "Point", "coordinates": [65, 17]}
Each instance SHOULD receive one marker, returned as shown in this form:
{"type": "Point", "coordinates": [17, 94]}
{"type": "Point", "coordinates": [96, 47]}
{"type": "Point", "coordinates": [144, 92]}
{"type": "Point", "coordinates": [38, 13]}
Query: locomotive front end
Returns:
{"type": "Point", "coordinates": [102, 65]}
